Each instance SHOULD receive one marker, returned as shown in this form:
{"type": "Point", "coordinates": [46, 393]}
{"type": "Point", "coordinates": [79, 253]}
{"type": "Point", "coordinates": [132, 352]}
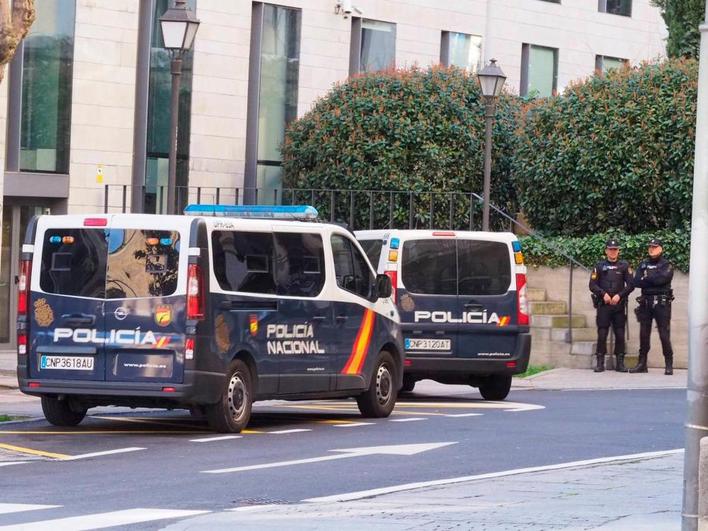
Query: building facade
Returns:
{"type": "Point", "coordinates": [85, 102]}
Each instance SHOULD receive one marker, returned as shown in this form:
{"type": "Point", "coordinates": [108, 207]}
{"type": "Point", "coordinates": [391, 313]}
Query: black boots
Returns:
{"type": "Point", "coordinates": [619, 363]}
{"type": "Point", "coordinates": [641, 364]}
{"type": "Point", "coordinates": [600, 363]}
{"type": "Point", "coordinates": [669, 365]}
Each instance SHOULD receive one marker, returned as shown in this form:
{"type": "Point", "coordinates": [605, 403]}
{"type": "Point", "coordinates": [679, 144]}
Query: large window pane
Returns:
{"type": "Point", "coordinates": [465, 51]}
{"type": "Point", "coordinates": [606, 63]}
{"type": "Point", "coordinates": [158, 130]}
{"type": "Point", "coordinates": [541, 71]}
{"type": "Point", "coordinates": [46, 88]}
{"type": "Point", "coordinates": [484, 267]}
{"type": "Point", "coordinates": [430, 267]}
{"type": "Point", "coordinates": [378, 46]}
{"type": "Point", "coordinates": [280, 67]}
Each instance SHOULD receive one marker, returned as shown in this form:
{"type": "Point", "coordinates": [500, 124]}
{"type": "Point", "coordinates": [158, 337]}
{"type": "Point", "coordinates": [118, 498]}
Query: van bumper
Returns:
{"type": "Point", "coordinates": [198, 387]}
{"type": "Point", "coordinates": [446, 367]}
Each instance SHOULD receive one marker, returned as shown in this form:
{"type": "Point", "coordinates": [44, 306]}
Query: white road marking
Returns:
{"type": "Point", "coordinates": [100, 454]}
{"type": "Point", "coordinates": [103, 520]}
{"type": "Point", "coordinates": [347, 453]}
{"type": "Point", "coordinates": [219, 438]}
{"type": "Point", "coordinates": [410, 419]}
{"type": "Point", "coordinates": [451, 481]}
{"type": "Point", "coordinates": [8, 508]}
{"type": "Point", "coordinates": [353, 424]}
{"type": "Point", "coordinates": [9, 463]}
{"type": "Point", "coordinates": [247, 508]}
{"type": "Point", "coordinates": [456, 415]}
{"type": "Point", "coordinates": [295, 430]}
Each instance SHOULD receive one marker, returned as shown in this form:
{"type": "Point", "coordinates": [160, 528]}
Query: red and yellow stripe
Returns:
{"type": "Point", "coordinates": [504, 320]}
{"type": "Point", "coordinates": [361, 345]}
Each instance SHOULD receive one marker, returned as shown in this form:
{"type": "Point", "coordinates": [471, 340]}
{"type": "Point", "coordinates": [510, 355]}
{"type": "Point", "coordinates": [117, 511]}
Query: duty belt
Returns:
{"type": "Point", "coordinates": [661, 299]}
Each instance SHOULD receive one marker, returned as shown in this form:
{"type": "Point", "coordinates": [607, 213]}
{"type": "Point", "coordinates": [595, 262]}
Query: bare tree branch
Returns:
{"type": "Point", "coordinates": [15, 22]}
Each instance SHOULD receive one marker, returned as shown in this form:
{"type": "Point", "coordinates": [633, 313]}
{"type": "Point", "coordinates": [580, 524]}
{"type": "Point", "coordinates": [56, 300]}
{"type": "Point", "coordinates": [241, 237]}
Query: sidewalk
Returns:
{"type": "Point", "coordinates": [593, 496]}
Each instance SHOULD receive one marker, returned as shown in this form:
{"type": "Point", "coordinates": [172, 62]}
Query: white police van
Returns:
{"type": "Point", "coordinates": [209, 311]}
{"type": "Point", "coordinates": [463, 306]}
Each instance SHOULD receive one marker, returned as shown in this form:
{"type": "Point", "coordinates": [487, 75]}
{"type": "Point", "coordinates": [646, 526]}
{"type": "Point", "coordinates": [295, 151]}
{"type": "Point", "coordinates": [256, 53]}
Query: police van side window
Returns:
{"type": "Point", "coordinates": [74, 262]}
{"type": "Point", "coordinates": [484, 267]}
{"type": "Point", "coordinates": [430, 267]}
{"type": "Point", "coordinates": [351, 268]}
{"type": "Point", "coordinates": [372, 248]}
{"type": "Point", "coordinates": [290, 264]}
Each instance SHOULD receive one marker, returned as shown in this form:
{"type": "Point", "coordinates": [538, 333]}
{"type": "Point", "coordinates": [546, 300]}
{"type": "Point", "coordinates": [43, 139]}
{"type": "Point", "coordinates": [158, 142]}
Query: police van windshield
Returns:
{"type": "Point", "coordinates": [109, 263]}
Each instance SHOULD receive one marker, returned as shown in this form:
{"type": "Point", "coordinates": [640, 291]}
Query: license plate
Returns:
{"type": "Point", "coordinates": [427, 344]}
{"type": "Point", "coordinates": [67, 363]}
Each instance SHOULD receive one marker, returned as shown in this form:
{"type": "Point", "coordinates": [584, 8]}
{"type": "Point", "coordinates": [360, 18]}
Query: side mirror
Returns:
{"type": "Point", "coordinates": [383, 286]}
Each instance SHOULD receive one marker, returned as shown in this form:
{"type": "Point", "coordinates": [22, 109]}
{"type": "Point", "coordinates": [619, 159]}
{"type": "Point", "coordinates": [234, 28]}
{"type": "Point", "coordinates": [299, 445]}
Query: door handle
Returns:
{"type": "Point", "coordinates": [341, 318]}
{"type": "Point", "coordinates": [474, 307]}
{"type": "Point", "coordinates": [319, 317]}
{"type": "Point", "coordinates": [78, 319]}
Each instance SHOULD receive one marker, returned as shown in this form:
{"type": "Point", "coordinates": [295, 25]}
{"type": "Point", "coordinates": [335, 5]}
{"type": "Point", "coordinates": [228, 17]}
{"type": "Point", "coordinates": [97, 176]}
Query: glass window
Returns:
{"type": "Point", "coordinates": [158, 128]}
{"type": "Point", "coordinates": [378, 46]}
{"type": "Point", "coordinates": [540, 71]}
{"type": "Point", "coordinates": [464, 51]}
{"type": "Point", "coordinates": [603, 63]}
{"type": "Point", "coordinates": [430, 266]}
{"type": "Point", "coordinates": [484, 267]}
{"type": "Point", "coordinates": [372, 248]}
{"type": "Point", "coordinates": [351, 268]}
{"type": "Point", "coordinates": [290, 264]}
{"type": "Point", "coordinates": [74, 262]}
{"type": "Point", "coordinates": [47, 64]}
{"type": "Point", "coordinates": [280, 67]}
{"type": "Point", "coordinates": [617, 7]}
{"type": "Point", "coordinates": [142, 263]}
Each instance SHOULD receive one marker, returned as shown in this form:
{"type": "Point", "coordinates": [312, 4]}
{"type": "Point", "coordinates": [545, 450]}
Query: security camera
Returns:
{"type": "Point", "coordinates": [345, 8]}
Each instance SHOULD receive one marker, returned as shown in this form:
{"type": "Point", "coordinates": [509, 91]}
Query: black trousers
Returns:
{"type": "Point", "coordinates": [661, 313]}
{"type": "Point", "coordinates": [608, 315]}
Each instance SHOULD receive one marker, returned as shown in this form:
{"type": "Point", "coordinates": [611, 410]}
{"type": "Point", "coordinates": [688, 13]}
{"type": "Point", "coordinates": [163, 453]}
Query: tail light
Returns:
{"type": "Point", "coordinates": [22, 343]}
{"type": "Point", "coordinates": [195, 292]}
{"type": "Point", "coordinates": [189, 348]}
{"type": "Point", "coordinates": [522, 300]}
{"type": "Point", "coordinates": [23, 287]}
{"type": "Point", "coordinates": [393, 275]}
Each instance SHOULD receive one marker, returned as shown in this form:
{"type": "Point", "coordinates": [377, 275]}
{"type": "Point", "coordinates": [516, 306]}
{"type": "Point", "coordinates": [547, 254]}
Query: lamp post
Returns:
{"type": "Point", "coordinates": [179, 27]}
{"type": "Point", "coordinates": [491, 80]}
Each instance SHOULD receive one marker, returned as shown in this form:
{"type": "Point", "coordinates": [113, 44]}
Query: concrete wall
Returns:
{"type": "Point", "coordinates": [555, 282]}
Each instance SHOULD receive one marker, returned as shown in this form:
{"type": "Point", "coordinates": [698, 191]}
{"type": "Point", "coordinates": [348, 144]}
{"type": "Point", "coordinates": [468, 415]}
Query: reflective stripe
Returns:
{"type": "Point", "coordinates": [361, 345]}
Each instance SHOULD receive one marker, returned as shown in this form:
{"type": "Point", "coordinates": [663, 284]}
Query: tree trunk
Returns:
{"type": "Point", "coordinates": [16, 18]}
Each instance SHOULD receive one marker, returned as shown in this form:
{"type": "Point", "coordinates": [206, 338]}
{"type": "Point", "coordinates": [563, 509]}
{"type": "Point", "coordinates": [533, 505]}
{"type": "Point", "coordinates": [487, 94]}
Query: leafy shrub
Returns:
{"type": "Point", "coordinates": [614, 151]}
{"type": "Point", "coordinates": [413, 130]}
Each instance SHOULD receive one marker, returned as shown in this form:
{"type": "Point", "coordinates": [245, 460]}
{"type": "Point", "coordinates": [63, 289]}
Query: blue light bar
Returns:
{"type": "Point", "coordinates": [302, 213]}
{"type": "Point", "coordinates": [55, 239]}
{"type": "Point", "coordinates": [165, 241]}
{"type": "Point", "coordinates": [395, 243]}
{"type": "Point", "coordinates": [516, 245]}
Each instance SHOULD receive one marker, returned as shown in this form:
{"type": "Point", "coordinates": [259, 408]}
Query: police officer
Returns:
{"type": "Point", "coordinates": [610, 284]}
{"type": "Point", "coordinates": [654, 276]}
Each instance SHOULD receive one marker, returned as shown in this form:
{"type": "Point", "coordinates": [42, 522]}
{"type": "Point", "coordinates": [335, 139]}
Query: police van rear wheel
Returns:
{"type": "Point", "coordinates": [233, 410]}
{"type": "Point", "coordinates": [380, 398]}
{"type": "Point", "coordinates": [60, 413]}
{"type": "Point", "coordinates": [495, 387]}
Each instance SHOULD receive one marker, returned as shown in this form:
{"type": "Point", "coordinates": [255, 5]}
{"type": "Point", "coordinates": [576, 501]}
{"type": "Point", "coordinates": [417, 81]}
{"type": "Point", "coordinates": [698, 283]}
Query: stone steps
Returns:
{"type": "Point", "coordinates": [536, 294]}
{"type": "Point", "coordinates": [548, 307]}
{"type": "Point", "coordinates": [558, 321]}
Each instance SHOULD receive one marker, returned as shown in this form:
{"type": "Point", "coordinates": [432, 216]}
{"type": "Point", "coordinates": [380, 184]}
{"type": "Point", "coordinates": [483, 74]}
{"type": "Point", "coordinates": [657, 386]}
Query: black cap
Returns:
{"type": "Point", "coordinates": [655, 242]}
{"type": "Point", "coordinates": [612, 244]}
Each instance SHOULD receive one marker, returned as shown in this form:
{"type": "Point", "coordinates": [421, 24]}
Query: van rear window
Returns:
{"type": "Point", "coordinates": [269, 263]}
{"type": "Point", "coordinates": [429, 267]}
{"type": "Point", "coordinates": [484, 267]}
{"type": "Point", "coordinates": [110, 263]}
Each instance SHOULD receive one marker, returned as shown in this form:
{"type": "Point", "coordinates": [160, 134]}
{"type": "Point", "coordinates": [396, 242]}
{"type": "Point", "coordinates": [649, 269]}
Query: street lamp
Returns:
{"type": "Point", "coordinates": [491, 81]}
{"type": "Point", "coordinates": [179, 27]}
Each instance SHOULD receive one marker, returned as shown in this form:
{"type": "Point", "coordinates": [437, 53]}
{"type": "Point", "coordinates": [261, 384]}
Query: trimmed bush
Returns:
{"type": "Point", "coordinates": [412, 130]}
{"type": "Point", "coordinates": [614, 151]}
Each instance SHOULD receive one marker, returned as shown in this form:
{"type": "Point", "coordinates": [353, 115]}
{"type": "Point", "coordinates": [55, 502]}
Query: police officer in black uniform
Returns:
{"type": "Point", "coordinates": [654, 276]}
{"type": "Point", "coordinates": [610, 284]}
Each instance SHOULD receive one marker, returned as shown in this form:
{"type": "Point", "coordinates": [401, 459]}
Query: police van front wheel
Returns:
{"type": "Point", "coordinates": [495, 387]}
{"type": "Point", "coordinates": [233, 410]}
{"type": "Point", "coordinates": [61, 413]}
{"type": "Point", "coordinates": [380, 398]}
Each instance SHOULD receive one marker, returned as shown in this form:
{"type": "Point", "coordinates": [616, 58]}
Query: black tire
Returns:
{"type": "Point", "coordinates": [60, 413]}
{"type": "Point", "coordinates": [495, 387]}
{"type": "Point", "coordinates": [233, 410]}
{"type": "Point", "coordinates": [408, 384]}
{"type": "Point", "coordinates": [380, 398]}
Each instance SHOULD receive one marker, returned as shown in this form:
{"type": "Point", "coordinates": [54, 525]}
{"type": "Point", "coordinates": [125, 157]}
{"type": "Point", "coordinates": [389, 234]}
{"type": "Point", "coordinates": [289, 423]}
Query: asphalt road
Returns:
{"type": "Point", "coordinates": [170, 461]}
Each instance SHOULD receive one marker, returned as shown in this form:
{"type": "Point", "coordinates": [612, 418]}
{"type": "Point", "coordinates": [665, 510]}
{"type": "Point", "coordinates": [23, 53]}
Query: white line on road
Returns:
{"type": "Point", "coordinates": [409, 419]}
{"type": "Point", "coordinates": [8, 508]}
{"type": "Point", "coordinates": [219, 438]}
{"type": "Point", "coordinates": [451, 481]}
{"type": "Point", "coordinates": [101, 454]}
{"type": "Point", "coordinates": [456, 415]}
{"type": "Point", "coordinates": [8, 463]}
{"type": "Point", "coordinates": [103, 520]}
{"type": "Point", "coordinates": [295, 430]}
{"type": "Point", "coordinates": [353, 424]}
{"type": "Point", "coordinates": [247, 508]}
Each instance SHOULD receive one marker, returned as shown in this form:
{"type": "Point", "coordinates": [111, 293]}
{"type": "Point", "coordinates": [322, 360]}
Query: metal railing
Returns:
{"type": "Point", "coordinates": [359, 209]}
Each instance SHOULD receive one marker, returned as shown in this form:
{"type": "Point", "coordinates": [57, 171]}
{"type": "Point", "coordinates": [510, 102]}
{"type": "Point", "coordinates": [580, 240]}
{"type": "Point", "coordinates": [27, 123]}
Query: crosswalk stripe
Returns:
{"type": "Point", "coordinates": [8, 508]}
{"type": "Point", "coordinates": [103, 520]}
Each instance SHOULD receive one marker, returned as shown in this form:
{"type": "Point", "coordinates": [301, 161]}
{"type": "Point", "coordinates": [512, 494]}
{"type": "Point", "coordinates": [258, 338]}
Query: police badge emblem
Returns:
{"type": "Point", "coordinates": [407, 303]}
{"type": "Point", "coordinates": [163, 315]}
{"type": "Point", "coordinates": [43, 313]}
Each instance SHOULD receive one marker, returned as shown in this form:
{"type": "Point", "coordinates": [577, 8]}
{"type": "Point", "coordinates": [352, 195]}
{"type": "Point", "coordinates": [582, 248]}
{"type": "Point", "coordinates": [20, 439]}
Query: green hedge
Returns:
{"type": "Point", "coordinates": [589, 250]}
{"type": "Point", "coordinates": [614, 151]}
{"type": "Point", "coordinates": [413, 130]}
